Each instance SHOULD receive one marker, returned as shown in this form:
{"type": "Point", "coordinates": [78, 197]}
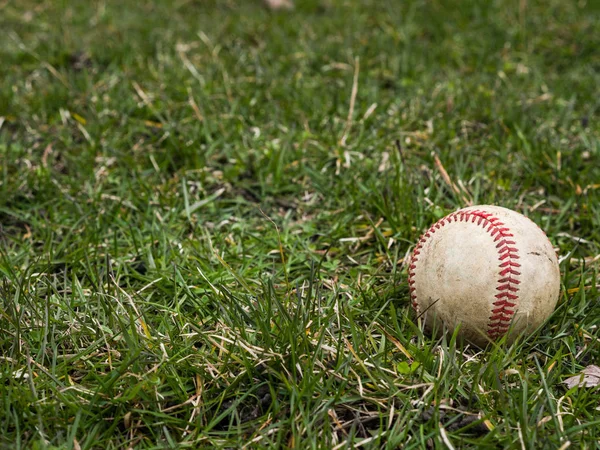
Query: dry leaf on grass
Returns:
{"type": "Point", "coordinates": [279, 4]}
{"type": "Point", "coordinates": [589, 377]}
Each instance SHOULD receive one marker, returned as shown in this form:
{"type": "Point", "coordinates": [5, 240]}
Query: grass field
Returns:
{"type": "Point", "coordinates": [206, 209]}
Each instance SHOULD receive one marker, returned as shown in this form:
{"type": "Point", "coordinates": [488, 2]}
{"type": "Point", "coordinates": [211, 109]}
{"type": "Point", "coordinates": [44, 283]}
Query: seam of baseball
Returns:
{"type": "Point", "coordinates": [508, 282]}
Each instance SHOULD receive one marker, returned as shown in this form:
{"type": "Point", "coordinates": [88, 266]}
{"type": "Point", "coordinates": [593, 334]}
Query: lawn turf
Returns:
{"type": "Point", "coordinates": [206, 209]}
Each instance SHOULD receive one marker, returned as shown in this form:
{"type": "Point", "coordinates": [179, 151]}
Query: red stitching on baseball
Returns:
{"type": "Point", "coordinates": [501, 315]}
{"type": "Point", "coordinates": [509, 280]}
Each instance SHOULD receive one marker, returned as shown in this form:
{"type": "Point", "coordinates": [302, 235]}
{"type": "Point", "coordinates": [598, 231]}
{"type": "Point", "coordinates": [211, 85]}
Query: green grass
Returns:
{"type": "Point", "coordinates": [199, 249]}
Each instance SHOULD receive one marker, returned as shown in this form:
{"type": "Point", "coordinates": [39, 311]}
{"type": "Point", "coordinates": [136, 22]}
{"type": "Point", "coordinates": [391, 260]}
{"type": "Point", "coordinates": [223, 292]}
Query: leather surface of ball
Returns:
{"type": "Point", "coordinates": [487, 268]}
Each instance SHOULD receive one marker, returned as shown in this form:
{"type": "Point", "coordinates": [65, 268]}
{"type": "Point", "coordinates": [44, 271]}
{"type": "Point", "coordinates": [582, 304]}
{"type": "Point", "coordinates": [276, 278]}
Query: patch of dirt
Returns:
{"type": "Point", "coordinates": [454, 420]}
{"type": "Point", "coordinates": [80, 60]}
{"type": "Point", "coordinates": [254, 407]}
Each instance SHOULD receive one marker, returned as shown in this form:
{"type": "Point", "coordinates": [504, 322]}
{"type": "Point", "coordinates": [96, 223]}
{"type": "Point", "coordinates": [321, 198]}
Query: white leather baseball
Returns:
{"type": "Point", "coordinates": [487, 268]}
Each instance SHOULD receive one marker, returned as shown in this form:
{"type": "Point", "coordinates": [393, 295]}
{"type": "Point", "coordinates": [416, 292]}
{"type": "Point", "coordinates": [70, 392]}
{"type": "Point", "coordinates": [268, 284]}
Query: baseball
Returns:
{"type": "Point", "coordinates": [487, 268]}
